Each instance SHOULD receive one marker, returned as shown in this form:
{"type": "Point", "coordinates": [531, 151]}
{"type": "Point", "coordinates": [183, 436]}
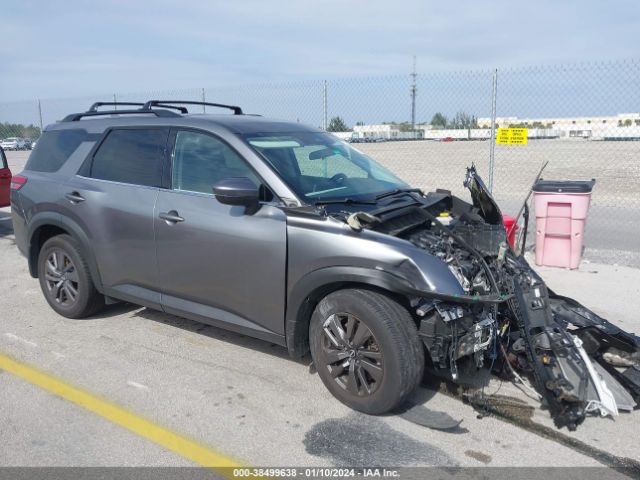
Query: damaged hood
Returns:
{"type": "Point", "coordinates": [481, 197]}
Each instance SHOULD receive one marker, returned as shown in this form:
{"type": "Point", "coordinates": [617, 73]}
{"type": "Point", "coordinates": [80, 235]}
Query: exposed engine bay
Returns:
{"type": "Point", "coordinates": [509, 322]}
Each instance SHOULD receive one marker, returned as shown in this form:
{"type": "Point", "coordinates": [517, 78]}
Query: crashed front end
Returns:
{"type": "Point", "coordinates": [507, 320]}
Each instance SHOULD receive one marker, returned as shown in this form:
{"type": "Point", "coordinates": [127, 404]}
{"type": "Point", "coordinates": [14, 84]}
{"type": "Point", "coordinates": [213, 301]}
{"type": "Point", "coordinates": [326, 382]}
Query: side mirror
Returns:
{"type": "Point", "coordinates": [238, 191]}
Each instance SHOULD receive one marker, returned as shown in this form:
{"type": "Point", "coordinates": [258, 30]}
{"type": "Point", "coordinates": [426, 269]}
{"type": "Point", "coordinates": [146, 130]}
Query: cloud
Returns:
{"type": "Point", "coordinates": [53, 49]}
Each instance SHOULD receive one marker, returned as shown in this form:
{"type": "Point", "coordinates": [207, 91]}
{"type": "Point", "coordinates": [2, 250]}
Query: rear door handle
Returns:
{"type": "Point", "coordinates": [74, 197]}
{"type": "Point", "coordinates": [171, 217]}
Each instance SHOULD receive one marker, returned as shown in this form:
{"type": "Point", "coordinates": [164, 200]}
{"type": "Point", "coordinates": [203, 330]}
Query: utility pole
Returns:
{"type": "Point", "coordinates": [115, 100]}
{"type": "Point", "coordinates": [204, 99]}
{"type": "Point", "coordinates": [414, 91]}
{"type": "Point", "coordinates": [325, 113]}
{"type": "Point", "coordinates": [40, 113]}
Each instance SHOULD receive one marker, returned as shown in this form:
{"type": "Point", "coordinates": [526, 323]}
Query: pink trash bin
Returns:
{"type": "Point", "coordinates": [561, 213]}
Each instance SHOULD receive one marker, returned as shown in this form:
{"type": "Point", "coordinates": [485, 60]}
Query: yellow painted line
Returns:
{"type": "Point", "coordinates": [172, 441]}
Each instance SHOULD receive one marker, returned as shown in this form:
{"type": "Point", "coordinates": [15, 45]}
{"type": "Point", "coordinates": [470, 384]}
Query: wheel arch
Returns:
{"type": "Point", "coordinates": [316, 285]}
{"type": "Point", "coordinates": [48, 225]}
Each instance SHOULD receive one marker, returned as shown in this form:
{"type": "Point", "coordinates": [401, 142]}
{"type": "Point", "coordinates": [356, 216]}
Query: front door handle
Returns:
{"type": "Point", "coordinates": [74, 197]}
{"type": "Point", "coordinates": [171, 217]}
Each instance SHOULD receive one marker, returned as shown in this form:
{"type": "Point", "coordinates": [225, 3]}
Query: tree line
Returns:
{"type": "Point", "coordinates": [460, 120]}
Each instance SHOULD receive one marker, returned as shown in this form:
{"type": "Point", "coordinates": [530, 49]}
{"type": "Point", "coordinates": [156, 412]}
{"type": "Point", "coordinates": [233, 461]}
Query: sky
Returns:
{"type": "Point", "coordinates": [59, 49]}
{"type": "Point", "coordinates": [69, 48]}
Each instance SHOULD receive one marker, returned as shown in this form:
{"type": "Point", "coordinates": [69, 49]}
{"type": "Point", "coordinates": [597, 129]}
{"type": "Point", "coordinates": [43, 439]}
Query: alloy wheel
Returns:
{"type": "Point", "coordinates": [351, 354]}
{"type": "Point", "coordinates": [61, 278]}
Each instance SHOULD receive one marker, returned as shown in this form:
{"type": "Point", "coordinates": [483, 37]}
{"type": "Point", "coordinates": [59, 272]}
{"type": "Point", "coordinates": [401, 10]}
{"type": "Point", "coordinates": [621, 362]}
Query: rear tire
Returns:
{"type": "Point", "coordinates": [366, 349]}
{"type": "Point", "coordinates": [65, 279]}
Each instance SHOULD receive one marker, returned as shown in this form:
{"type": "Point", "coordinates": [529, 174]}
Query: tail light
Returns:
{"type": "Point", "coordinates": [18, 182]}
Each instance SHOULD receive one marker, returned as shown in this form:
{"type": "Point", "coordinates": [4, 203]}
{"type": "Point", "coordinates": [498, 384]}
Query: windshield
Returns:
{"type": "Point", "coordinates": [320, 167]}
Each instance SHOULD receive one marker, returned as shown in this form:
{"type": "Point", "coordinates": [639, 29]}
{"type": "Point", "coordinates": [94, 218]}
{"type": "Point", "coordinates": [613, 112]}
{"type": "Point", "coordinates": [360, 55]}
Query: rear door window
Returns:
{"type": "Point", "coordinates": [54, 148]}
{"type": "Point", "coordinates": [132, 156]}
{"type": "Point", "coordinates": [3, 160]}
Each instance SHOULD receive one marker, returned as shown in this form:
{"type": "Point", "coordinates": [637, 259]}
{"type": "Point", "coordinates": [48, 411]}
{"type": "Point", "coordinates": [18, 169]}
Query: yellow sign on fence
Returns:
{"type": "Point", "coordinates": [512, 136]}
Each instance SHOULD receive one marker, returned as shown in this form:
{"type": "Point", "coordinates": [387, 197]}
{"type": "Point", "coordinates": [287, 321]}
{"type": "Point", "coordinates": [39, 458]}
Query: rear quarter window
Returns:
{"type": "Point", "coordinates": [54, 148]}
{"type": "Point", "coordinates": [132, 156]}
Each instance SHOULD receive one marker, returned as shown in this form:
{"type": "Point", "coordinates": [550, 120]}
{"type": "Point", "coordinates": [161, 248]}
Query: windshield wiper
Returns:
{"type": "Point", "coordinates": [346, 200]}
{"type": "Point", "coordinates": [398, 190]}
{"type": "Point", "coordinates": [350, 200]}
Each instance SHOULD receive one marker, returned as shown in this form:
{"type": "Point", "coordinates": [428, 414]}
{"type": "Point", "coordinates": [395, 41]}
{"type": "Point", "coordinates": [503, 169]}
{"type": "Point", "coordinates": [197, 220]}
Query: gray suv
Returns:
{"type": "Point", "coordinates": [283, 232]}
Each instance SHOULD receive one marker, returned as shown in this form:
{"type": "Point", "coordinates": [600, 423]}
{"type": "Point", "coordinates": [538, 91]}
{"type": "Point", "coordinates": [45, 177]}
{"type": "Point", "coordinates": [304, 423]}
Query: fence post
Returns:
{"type": "Point", "coordinates": [325, 123]}
{"type": "Point", "coordinates": [204, 107]}
{"type": "Point", "coordinates": [414, 91]}
{"type": "Point", "coordinates": [492, 148]}
{"type": "Point", "coordinates": [40, 114]}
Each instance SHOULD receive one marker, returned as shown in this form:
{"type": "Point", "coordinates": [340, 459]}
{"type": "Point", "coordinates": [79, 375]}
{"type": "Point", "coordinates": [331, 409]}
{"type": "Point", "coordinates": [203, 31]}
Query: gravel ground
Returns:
{"type": "Point", "coordinates": [614, 218]}
{"type": "Point", "coordinates": [430, 164]}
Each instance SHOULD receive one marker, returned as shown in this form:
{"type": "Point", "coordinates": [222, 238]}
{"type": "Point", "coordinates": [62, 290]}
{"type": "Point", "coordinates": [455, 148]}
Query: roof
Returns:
{"type": "Point", "coordinates": [97, 121]}
{"type": "Point", "coordinates": [251, 123]}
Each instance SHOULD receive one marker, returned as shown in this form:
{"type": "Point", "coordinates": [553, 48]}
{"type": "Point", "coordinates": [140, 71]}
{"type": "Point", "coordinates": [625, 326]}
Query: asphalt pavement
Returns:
{"type": "Point", "coordinates": [247, 400]}
{"type": "Point", "coordinates": [242, 397]}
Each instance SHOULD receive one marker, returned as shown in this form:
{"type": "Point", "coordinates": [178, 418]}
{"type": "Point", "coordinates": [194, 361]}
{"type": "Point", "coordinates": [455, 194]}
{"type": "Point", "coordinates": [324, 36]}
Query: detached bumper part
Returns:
{"type": "Point", "coordinates": [569, 364]}
{"type": "Point", "coordinates": [556, 363]}
{"type": "Point", "coordinates": [603, 401]}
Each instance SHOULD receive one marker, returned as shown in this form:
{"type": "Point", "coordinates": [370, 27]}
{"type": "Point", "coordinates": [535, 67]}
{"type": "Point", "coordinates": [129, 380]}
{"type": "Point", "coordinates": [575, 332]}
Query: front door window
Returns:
{"type": "Point", "coordinates": [201, 160]}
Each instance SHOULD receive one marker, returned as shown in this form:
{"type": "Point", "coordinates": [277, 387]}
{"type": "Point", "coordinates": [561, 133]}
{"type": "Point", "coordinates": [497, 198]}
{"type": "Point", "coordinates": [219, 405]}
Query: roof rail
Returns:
{"type": "Point", "coordinates": [173, 107]}
{"type": "Point", "coordinates": [146, 109]}
{"type": "Point", "coordinates": [166, 103]}
{"type": "Point", "coordinates": [94, 107]}
{"type": "Point", "coordinates": [74, 117]}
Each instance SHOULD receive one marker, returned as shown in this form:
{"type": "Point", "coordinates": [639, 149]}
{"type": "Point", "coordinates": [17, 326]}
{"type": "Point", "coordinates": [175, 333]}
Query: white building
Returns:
{"type": "Point", "coordinates": [481, 133]}
{"type": "Point", "coordinates": [618, 127]}
{"type": "Point", "coordinates": [343, 135]}
{"type": "Point", "coordinates": [623, 125]}
{"type": "Point", "coordinates": [384, 131]}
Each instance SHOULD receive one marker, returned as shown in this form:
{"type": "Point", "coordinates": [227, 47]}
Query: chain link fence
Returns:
{"type": "Point", "coordinates": [583, 119]}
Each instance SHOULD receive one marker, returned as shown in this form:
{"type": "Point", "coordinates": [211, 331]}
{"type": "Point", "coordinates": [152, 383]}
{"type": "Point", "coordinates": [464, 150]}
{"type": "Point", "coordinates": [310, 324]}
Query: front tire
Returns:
{"type": "Point", "coordinates": [65, 279]}
{"type": "Point", "coordinates": [366, 349]}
